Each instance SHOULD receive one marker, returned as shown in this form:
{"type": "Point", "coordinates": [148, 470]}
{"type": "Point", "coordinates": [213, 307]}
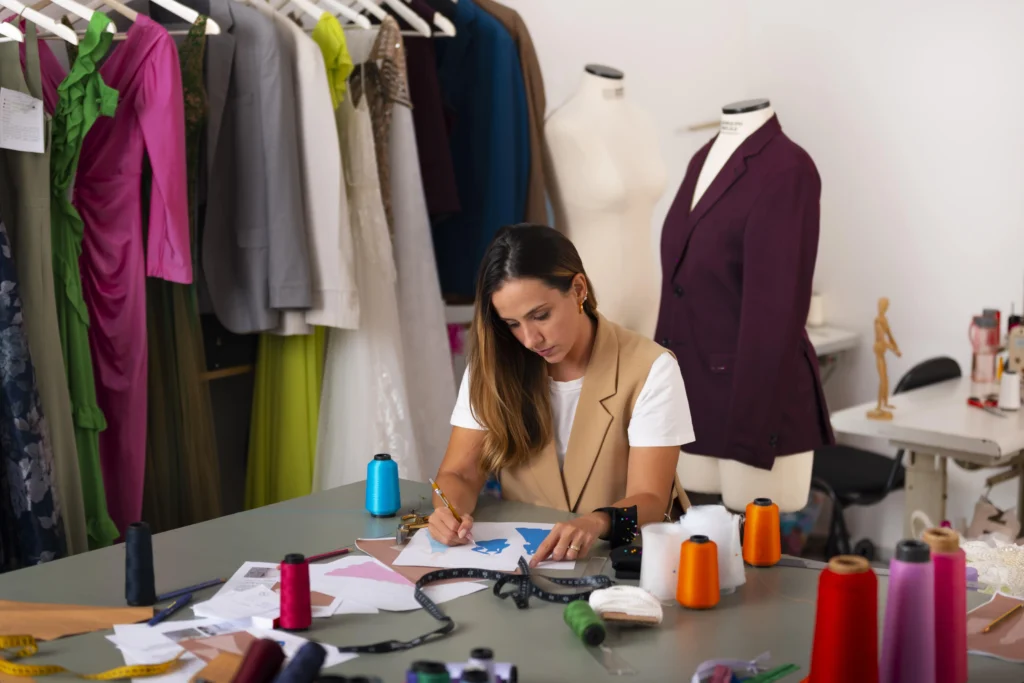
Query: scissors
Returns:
{"type": "Point", "coordinates": [988, 405]}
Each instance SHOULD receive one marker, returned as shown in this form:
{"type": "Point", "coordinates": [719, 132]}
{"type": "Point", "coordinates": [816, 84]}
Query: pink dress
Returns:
{"type": "Point", "coordinates": [108, 193]}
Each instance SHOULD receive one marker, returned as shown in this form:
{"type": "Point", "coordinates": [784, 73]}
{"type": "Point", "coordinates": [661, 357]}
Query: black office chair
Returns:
{"type": "Point", "coordinates": [852, 476]}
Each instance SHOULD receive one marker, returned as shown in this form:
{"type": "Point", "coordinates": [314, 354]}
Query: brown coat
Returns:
{"type": "Point", "coordinates": [536, 104]}
{"type": "Point", "coordinates": [596, 458]}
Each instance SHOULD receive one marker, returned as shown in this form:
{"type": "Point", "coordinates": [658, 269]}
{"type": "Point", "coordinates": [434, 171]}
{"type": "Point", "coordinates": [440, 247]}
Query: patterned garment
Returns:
{"type": "Point", "coordinates": [384, 73]}
{"type": "Point", "coordinates": [182, 478]}
{"type": "Point", "coordinates": [31, 529]}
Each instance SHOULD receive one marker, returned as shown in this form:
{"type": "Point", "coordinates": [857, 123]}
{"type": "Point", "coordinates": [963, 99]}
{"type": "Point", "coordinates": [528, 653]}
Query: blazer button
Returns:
{"type": "Point", "coordinates": [665, 342]}
{"type": "Point", "coordinates": [678, 290]}
{"type": "Point", "coordinates": [773, 440]}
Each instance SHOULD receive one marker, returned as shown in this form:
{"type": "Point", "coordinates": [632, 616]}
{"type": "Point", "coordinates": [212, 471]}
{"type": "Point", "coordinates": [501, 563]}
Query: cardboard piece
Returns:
{"type": "Point", "coordinates": [221, 669]}
{"type": "Point", "coordinates": [1006, 640]}
{"type": "Point", "coordinates": [46, 621]}
{"type": "Point", "coordinates": [385, 550]}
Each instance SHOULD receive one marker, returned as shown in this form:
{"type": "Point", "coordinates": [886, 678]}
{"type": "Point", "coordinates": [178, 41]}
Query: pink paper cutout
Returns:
{"type": "Point", "coordinates": [371, 570]}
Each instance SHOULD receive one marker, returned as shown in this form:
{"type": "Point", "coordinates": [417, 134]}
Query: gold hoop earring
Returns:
{"type": "Point", "coordinates": [582, 301]}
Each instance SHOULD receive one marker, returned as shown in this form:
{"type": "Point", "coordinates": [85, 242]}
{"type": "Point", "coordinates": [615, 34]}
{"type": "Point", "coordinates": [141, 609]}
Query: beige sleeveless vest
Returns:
{"type": "Point", "coordinates": [596, 458]}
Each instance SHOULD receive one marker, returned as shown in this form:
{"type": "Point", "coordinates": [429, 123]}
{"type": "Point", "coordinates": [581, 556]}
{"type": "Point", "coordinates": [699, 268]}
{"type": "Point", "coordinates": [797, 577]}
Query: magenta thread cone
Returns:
{"type": "Point", "coordinates": [950, 605]}
{"type": "Point", "coordinates": [908, 641]}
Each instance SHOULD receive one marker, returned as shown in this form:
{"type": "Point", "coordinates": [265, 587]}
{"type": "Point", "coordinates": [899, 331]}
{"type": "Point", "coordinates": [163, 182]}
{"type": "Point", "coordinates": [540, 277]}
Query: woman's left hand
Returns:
{"type": "Point", "coordinates": [571, 540]}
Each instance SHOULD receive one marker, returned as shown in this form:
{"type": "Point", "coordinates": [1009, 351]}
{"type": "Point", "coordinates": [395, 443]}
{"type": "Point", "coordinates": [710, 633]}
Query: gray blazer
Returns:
{"type": "Point", "coordinates": [255, 257]}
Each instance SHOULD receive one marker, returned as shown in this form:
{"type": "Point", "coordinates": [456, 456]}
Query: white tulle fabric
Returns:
{"type": "Point", "coordinates": [428, 360]}
{"type": "Point", "coordinates": [999, 563]}
{"type": "Point", "coordinates": [364, 408]}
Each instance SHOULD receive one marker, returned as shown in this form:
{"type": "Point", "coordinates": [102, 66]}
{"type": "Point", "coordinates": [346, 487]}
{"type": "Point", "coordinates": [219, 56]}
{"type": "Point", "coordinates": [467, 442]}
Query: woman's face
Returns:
{"type": "Point", "coordinates": [543, 319]}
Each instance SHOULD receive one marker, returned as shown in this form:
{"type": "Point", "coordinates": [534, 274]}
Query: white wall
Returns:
{"type": "Point", "coordinates": [680, 63]}
{"type": "Point", "coordinates": [910, 110]}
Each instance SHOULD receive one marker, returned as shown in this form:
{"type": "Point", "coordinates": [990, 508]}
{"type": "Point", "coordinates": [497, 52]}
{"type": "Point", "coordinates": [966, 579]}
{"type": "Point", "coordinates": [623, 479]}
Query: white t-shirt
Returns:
{"type": "Point", "coordinates": [661, 416]}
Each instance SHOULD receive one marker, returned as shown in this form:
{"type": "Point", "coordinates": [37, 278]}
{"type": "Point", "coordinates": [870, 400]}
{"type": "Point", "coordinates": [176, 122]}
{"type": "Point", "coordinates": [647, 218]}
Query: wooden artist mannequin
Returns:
{"type": "Point", "coordinates": [608, 175]}
{"type": "Point", "coordinates": [789, 480]}
{"type": "Point", "coordinates": [883, 342]}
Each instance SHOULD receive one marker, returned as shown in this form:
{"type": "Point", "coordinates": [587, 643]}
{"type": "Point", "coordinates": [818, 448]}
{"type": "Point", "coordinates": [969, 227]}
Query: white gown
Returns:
{"type": "Point", "coordinates": [364, 408]}
{"type": "Point", "coordinates": [428, 359]}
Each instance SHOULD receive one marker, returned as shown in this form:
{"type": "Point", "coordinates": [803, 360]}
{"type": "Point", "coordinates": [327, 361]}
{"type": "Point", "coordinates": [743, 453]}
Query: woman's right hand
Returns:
{"type": "Point", "coordinates": [446, 529]}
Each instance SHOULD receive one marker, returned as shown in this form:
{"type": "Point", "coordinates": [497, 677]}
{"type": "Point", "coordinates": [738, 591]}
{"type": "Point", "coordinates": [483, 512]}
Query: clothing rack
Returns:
{"type": "Point", "coordinates": [183, 32]}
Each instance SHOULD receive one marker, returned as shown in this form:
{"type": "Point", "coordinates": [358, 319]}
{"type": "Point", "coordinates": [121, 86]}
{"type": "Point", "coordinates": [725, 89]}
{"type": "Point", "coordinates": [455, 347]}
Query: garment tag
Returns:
{"type": "Point", "coordinates": [21, 122]}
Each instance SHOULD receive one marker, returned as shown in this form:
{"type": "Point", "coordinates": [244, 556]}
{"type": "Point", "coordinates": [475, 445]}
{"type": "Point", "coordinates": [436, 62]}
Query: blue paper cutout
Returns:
{"type": "Point", "coordinates": [533, 538]}
{"type": "Point", "coordinates": [492, 547]}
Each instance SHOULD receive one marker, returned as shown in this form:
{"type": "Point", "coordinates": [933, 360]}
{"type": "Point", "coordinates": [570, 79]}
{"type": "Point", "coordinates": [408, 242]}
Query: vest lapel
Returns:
{"type": "Point", "coordinates": [590, 425]}
{"type": "Point", "coordinates": [548, 479]}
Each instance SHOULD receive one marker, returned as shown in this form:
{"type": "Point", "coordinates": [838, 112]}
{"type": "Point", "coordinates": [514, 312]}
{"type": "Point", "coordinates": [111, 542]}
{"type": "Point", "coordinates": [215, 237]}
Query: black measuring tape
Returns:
{"type": "Point", "coordinates": [523, 588]}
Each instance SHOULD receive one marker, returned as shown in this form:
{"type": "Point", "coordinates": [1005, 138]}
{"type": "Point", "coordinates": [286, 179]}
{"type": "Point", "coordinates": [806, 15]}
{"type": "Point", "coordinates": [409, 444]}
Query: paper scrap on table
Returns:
{"type": "Point", "coordinates": [366, 581]}
{"type": "Point", "coordinates": [203, 641]}
{"type": "Point", "coordinates": [245, 594]}
{"type": "Point", "coordinates": [496, 546]}
{"type": "Point", "coordinates": [1006, 640]}
{"type": "Point", "coordinates": [47, 621]}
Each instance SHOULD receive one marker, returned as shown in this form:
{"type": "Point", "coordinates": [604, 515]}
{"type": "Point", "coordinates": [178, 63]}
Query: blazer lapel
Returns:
{"type": "Point", "coordinates": [679, 212]}
{"type": "Point", "coordinates": [220, 54]}
{"type": "Point", "coordinates": [590, 425]}
{"type": "Point", "coordinates": [733, 169]}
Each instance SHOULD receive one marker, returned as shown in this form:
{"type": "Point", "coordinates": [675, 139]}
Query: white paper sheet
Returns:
{"type": "Point", "coordinates": [21, 122]}
{"type": "Point", "coordinates": [233, 605]}
{"type": "Point", "coordinates": [143, 644]}
{"type": "Point", "coordinates": [496, 546]}
{"type": "Point", "coordinates": [373, 584]}
{"type": "Point", "coordinates": [265, 575]}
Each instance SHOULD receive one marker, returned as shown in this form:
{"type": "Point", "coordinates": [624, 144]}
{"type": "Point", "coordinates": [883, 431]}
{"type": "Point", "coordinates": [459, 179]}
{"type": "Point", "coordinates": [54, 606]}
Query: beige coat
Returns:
{"type": "Point", "coordinates": [596, 459]}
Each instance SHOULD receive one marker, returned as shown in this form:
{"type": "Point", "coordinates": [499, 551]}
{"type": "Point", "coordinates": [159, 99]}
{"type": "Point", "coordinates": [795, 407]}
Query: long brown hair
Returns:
{"type": "Point", "coordinates": [508, 389]}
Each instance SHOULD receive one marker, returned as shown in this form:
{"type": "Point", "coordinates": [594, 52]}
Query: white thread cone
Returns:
{"type": "Point", "coordinates": [659, 567]}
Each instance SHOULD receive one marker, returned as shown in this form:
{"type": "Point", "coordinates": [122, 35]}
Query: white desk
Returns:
{"type": "Point", "coordinates": [827, 341]}
{"type": "Point", "coordinates": [933, 424]}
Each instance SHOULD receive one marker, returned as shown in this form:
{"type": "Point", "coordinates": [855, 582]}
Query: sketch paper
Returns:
{"type": "Point", "coordinates": [496, 546]}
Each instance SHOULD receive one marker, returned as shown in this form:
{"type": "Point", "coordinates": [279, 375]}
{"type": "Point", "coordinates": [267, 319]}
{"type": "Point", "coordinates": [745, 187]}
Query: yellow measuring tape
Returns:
{"type": "Point", "coordinates": [27, 647]}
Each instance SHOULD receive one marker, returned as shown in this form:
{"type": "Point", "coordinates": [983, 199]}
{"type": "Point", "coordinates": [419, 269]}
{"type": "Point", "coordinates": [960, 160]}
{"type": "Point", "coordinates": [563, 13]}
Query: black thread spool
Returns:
{"type": "Point", "coordinates": [305, 665]}
{"type": "Point", "coordinates": [139, 578]}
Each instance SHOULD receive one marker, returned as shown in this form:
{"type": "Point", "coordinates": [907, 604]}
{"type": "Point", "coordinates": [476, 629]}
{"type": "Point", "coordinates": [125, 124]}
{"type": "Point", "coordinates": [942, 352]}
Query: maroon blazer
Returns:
{"type": "Point", "coordinates": [736, 287]}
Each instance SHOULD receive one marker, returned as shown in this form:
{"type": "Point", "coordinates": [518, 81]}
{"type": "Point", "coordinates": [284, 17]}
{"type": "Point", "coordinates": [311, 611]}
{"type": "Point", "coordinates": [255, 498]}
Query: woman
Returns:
{"type": "Point", "coordinates": [570, 410]}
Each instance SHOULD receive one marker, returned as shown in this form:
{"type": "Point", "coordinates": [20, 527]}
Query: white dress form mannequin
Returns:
{"type": "Point", "coordinates": [607, 175]}
{"type": "Point", "coordinates": [789, 481]}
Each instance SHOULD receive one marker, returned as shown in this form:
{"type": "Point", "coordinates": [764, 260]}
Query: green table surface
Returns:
{"type": "Point", "coordinates": [774, 610]}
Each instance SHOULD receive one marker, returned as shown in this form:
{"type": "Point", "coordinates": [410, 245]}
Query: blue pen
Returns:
{"type": "Point", "coordinates": [189, 589]}
{"type": "Point", "coordinates": [168, 611]}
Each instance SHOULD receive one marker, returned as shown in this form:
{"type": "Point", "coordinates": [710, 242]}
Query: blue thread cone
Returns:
{"type": "Point", "coordinates": [305, 665]}
{"type": "Point", "coordinates": [382, 496]}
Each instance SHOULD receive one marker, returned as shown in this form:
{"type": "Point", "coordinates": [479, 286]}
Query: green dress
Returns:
{"type": "Point", "coordinates": [82, 98]}
{"type": "Point", "coordinates": [182, 481]}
